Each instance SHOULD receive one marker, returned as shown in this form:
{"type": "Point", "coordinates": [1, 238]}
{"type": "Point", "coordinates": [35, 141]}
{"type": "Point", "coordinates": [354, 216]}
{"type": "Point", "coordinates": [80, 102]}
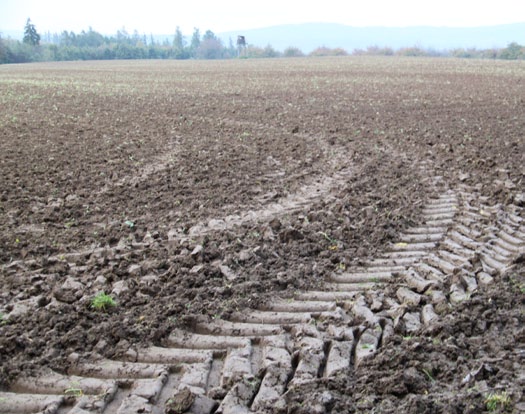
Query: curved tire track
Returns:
{"type": "Point", "coordinates": [247, 363]}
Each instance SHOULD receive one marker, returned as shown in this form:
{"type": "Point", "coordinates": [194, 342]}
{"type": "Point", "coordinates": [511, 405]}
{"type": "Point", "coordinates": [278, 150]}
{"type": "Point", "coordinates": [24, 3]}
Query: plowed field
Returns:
{"type": "Point", "coordinates": [278, 236]}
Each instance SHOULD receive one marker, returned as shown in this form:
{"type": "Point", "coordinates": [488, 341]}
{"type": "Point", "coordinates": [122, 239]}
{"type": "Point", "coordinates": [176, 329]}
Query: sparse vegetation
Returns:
{"type": "Point", "coordinates": [327, 237]}
{"type": "Point", "coordinates": [498, 401]}
{"type": "Point", "coordinates": [428, 374]}
{"type": "Point", "coordinates": [102, 302]}
{"type": "Point", "coordinates": [74, 391]}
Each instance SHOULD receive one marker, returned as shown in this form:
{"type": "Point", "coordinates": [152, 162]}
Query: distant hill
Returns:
{"type": "Point", "coordinates": [309, 36]}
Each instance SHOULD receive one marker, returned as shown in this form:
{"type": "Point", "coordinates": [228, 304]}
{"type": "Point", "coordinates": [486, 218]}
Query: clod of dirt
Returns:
{"type": "Point", "coordinates": [228, 273]}
{"type": "Point", "coordinates": [180, 402]}
{"type": "Point", "coordinates": [482, 373]}
{"type": "Point", "coordinates": [198, 249]}
{"type": "Point", "coordinates": [70, 291]}
{"type": "Point", "coordinates": [414, 380]}
{"type": "Point", "coordinates": [275, 224]}
{"type": "Point", "coordinates": [289, 235]}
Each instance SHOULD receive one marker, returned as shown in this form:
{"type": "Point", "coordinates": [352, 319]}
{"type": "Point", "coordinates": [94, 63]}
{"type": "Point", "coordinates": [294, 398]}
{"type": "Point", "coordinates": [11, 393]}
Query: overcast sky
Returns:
{"type": "Point", "coordinates": [162, 16]}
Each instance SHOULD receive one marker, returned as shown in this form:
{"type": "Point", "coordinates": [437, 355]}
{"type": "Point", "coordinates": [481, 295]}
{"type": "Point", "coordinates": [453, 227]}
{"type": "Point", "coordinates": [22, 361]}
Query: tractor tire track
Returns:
{"type": "Point", "coordinates": [248, 362]}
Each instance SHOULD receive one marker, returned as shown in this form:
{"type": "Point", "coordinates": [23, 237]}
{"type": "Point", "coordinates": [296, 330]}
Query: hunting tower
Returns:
{"type": "Point", "coordinates": [241, 46]}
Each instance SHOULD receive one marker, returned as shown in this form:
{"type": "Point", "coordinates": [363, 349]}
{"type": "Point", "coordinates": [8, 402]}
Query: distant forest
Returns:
{"type": "Point", "coordinates": [91, 45]}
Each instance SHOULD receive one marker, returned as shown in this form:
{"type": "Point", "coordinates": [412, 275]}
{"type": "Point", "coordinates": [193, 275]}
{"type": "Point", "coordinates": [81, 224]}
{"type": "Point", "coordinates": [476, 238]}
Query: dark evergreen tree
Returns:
{"type": "Point", "coordinates": [31, 36]}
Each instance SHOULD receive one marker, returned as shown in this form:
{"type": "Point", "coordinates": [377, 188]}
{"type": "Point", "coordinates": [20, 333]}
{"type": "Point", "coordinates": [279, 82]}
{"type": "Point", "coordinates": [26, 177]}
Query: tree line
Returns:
{"type": "Point", "coordinates": [91, 45]}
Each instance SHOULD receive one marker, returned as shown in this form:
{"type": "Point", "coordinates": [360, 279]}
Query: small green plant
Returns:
{"type": "Point", "coordinates": [428, 374]}
{"type": "Point", "coordinates": [129, 223]}
{"type": "Point", "coordinates": [334, 245]}
{"type": "Point", "coordinates": [496, 400]}
{"type": "Point", "coordinates": [69, 224]}
{"type": "Point", "coordinates": [3, 321]}
{"type": "Point", "coordinates": [74, 392]}
{"type": "Point", "coordinates": [102, 302]}
{"type": "Point", "coordinates": [327, 237]}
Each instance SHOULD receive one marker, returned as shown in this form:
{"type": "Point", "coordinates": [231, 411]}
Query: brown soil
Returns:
{"type": "Point", "coordinates": [190, 191]}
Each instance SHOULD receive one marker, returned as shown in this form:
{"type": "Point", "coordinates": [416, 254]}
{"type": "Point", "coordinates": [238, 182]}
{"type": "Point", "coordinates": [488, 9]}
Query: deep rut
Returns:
{"type": "Point", "coordinates": [248, 362]}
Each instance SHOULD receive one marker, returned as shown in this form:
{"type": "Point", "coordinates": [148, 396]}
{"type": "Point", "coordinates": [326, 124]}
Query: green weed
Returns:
{"type": "Point", "coordinates": [69, 224]}
{"type": "Point", "coordinates": [74, 392]}
{"type": "Point", "coordinates": [429, 375]}
{"type": "Point", "coordinates": [495, 400]}
{"type": "Point", "coordinates": [102, 302]}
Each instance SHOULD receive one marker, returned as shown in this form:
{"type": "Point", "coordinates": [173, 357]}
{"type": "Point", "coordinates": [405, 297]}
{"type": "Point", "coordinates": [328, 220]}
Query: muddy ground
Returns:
{"type": "Point", "coordinates": [166, 176]}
